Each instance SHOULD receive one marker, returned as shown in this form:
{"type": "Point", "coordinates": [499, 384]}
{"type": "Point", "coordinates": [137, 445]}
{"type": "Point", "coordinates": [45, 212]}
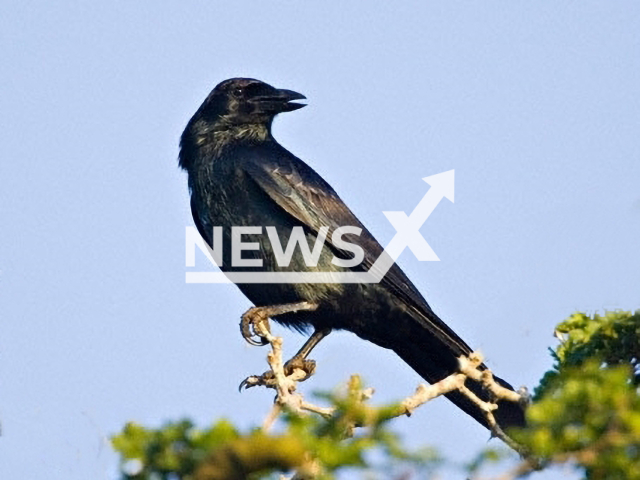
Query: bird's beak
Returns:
{"type": "Point", "coordinates": [278, 101]}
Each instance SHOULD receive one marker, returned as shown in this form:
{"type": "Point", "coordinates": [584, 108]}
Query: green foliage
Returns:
{"type": "Point", "coordinates": [613, 338]}
{"type": "Point", "coordinates": [586, 412]}
{"type": "Point", "coordinates": [180, 451]}
{"type": "Point", "coordinates": [176, 449]}
{"type": "Point", "coordinates": [587, 409]}
{"type": "Point", "coordinates": [320, 446]}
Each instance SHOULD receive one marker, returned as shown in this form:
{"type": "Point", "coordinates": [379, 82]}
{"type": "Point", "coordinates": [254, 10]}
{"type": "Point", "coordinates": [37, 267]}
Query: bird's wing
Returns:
{"type": "Point", "coordinates": [304, 195]}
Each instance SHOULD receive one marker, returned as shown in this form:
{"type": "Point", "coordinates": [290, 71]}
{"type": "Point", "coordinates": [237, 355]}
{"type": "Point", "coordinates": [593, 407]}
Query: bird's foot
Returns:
{"type": "Point", "coordinates": [253, 321]}
{"type": "Point", "coordinates": [299, 367]}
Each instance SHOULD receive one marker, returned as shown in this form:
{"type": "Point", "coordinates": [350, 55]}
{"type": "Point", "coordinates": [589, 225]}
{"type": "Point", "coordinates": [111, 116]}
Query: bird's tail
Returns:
{"type": "Point", "coordinates": [434, 359]}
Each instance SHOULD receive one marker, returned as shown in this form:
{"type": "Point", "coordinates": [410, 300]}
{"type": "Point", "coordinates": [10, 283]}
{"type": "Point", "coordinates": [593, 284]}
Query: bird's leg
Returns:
{"type": "Point", "coordinates": [311, 343]}
{"type": "Point", "coordinates": [261, 315]}
{"type": "Point", "coordinates": [298, 361]}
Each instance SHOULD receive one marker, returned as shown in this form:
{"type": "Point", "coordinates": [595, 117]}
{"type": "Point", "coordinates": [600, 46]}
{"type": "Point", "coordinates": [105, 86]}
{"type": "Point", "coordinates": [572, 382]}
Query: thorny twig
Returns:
{"type": "Point", "coordinates": [287, 397]}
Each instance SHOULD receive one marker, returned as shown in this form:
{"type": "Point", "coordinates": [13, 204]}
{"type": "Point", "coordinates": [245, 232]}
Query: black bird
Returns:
{"type": "Point", "coordinates": [239, 175]}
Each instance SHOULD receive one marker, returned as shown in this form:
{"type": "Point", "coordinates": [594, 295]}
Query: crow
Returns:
{"type": "Point", "coordinates": [240, 176]}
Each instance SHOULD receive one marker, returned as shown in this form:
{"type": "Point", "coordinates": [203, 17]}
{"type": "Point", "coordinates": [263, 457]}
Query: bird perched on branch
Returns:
{"type": "Point", "coordinates": [240, 176]}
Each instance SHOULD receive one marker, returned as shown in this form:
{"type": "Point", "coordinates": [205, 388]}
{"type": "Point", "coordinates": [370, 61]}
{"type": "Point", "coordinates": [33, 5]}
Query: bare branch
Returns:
{"type": "Point", "coordinates": [287, 397]}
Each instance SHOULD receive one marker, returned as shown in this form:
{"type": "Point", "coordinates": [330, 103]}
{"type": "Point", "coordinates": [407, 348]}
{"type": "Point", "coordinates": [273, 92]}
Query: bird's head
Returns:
{"type": "Point", "coordinates": [246, 101]}
{"type": "Point", "coordinates": [238, 109]}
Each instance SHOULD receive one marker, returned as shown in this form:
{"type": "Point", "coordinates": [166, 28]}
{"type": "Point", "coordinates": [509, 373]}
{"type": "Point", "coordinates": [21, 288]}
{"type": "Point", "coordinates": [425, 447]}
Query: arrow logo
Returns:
{"type": "Point", "coordinates": [408, 227]}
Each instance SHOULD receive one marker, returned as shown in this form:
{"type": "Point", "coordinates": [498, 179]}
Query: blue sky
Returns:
{"type": "Point", "coordinates": [536, 106]}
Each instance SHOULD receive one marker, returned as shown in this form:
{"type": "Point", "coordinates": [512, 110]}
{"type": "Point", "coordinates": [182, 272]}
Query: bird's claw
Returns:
{"type": "Point", "coordinates": [252, 317]}
{"type": "Point", "coordinates": [268, 379]}
{"type": "Point", "coordinates": [252, 381]}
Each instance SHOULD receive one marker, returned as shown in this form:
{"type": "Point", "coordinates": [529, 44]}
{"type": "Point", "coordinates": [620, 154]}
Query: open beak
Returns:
{"type": "Point", "coordinates": [278, 101]}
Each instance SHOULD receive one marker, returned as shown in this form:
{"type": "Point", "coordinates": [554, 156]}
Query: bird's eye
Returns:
{"type": "Point", "coordinates": [237, 92]}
